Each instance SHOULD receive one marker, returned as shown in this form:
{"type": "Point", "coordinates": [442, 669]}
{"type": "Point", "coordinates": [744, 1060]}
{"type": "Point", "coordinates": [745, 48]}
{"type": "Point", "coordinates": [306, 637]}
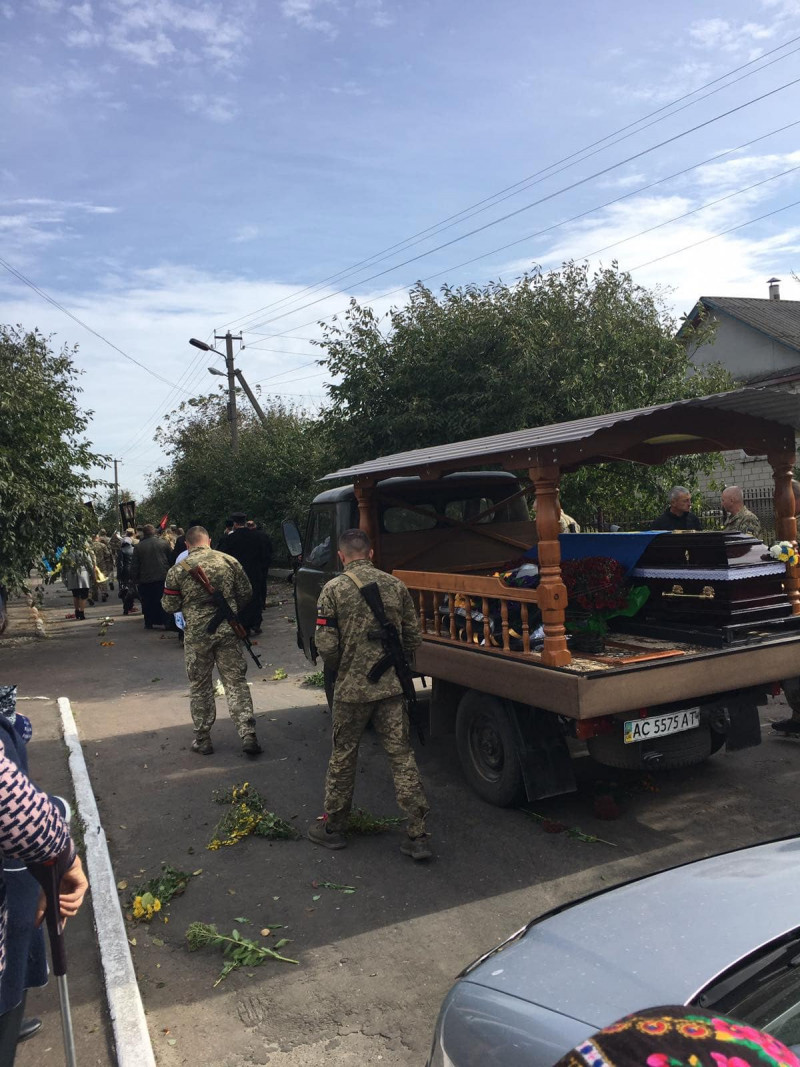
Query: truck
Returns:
{"type": "Point", "coordinates": [508, 682]}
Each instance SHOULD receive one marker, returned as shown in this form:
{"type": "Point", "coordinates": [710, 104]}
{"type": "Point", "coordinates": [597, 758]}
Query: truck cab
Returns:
{"type": "Point", "coordinates": [435, 525]}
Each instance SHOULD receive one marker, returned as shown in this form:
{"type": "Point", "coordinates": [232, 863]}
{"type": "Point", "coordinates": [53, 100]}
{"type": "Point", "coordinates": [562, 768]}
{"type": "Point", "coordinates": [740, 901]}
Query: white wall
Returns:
{"type": "Point", "coordinates": [744, 351]}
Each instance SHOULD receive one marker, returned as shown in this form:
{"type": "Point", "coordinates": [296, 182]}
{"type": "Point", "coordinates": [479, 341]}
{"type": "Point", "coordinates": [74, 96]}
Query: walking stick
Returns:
{"type": "Point", "coordinates": [46, 874]}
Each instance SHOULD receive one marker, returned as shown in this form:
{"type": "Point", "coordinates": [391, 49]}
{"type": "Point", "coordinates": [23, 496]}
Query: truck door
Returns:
{"type": "Point", "coordinates": [320, 564]}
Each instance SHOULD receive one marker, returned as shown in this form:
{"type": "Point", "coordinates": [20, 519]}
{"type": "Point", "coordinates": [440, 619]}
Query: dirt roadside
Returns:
{"type": "Point", "coordinates": [375, 964]}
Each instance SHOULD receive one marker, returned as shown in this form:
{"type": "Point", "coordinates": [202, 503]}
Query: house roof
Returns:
{"type": "Point", "coordinates": [767, 421]}
{"type": "Point", "coordinates": [778, 319]}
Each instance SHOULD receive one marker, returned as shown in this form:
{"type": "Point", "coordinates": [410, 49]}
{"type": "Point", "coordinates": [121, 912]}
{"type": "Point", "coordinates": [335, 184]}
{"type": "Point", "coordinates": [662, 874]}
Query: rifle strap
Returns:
{"type": "Point", "coordinates": [380, 619]}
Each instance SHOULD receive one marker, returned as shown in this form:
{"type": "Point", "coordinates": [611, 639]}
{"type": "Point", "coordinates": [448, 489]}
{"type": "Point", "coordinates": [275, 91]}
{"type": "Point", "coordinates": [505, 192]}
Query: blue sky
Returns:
{"type": "Point", "coordinates": [169, 167]}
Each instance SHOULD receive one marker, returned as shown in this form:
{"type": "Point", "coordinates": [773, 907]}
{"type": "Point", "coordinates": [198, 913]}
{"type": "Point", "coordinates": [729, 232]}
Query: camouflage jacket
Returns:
{"type": "Point", "coordinates": [183, 593]}
{"type": "Point", "coordinates": [744, 521]}
{"type": "Point", "coordinates": [344, 622]}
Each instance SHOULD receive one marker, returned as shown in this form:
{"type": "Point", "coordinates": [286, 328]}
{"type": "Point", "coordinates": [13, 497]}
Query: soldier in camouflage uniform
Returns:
{"type": "Point", "coordinates": [344, 623]}
{"type": "Point", "coordinates": [740, 519]}
{"type": "Point", "coordinates": [203, 650]}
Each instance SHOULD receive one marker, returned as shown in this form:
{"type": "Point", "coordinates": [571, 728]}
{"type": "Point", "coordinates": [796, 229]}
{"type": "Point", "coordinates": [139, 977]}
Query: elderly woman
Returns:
{"type": "Point", "coordinates": [77, 574]}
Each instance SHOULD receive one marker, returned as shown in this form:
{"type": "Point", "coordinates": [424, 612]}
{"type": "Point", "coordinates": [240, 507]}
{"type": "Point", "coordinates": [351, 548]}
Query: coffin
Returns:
{"type": "Point", "coordinates": [711, 579]}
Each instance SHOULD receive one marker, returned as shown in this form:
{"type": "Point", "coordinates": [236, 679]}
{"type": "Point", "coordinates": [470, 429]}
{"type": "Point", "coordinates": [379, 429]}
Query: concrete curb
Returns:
{"type": "Point", "coordinates": [131, 1036]}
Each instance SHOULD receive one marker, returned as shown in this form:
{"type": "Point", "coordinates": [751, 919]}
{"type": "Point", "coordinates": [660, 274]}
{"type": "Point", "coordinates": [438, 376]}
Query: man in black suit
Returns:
{"type": "Point", "coordinates": [246, 546]}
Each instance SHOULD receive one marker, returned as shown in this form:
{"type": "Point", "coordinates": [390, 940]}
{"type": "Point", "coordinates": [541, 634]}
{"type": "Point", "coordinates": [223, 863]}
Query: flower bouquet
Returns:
{"type": "Point", "coordinates": [597, 590]}
{"type": "Point", "coordinates": [784, 552]}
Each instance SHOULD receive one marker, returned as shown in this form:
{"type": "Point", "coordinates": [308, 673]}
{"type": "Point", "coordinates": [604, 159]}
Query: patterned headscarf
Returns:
{"type": "Point", "coordinates": [679, 1037]}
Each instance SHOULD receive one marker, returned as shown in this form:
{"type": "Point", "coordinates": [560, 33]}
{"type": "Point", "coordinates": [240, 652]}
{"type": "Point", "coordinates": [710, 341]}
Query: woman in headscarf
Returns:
{"type": "Point", "coordinates": [77, 574]}
{"type": "Point", "coordinates": [679, 1037]}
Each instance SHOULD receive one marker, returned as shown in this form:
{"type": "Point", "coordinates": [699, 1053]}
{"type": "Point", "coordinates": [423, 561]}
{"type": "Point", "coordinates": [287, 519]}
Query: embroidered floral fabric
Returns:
{"type": "Point", "coordinates": [679, 1037]}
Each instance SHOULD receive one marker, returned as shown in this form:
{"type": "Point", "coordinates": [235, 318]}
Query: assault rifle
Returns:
{"type": "Point", "coordinates": [225, 612]}
{"type": "Point", "coordinates": [394, 654]}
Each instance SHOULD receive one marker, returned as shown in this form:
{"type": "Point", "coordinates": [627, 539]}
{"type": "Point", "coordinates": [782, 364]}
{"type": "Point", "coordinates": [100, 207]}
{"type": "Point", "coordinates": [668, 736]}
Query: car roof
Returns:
{"type": "Point", "coordinates": [345, 492]}
{"type": "Point", "coordinates": [657, 940]}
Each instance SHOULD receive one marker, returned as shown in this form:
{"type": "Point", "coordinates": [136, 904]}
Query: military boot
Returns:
{"type": "Point", "coordinates": [416, 847]}
{"type": "Point", "coordinates": [250, 745]}
{"type": "Point", "coordinates": [320, 834]}
{"type": "Point", "coordinates": [203, 746]}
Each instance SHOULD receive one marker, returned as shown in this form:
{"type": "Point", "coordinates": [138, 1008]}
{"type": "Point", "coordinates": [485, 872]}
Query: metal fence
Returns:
{"type": "Point", "coordinates": [705, 505]}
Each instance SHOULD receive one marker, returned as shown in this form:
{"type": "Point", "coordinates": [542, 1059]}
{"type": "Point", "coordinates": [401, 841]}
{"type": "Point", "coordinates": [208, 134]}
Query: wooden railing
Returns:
{"type": "Point", "coordinates": [433, 591]}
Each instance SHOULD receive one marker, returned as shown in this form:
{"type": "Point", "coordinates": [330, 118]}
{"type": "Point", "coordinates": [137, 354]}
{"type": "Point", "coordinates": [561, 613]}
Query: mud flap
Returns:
{"type": "Point", "coordinates": [547, 768]}
{"type": "Point", "coordinates": [736, 716]}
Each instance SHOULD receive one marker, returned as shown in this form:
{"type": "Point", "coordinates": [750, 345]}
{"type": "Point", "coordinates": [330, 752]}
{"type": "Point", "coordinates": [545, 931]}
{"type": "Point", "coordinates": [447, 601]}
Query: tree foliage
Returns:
{"type": "Point", "coordinates": [271, 477]}
{"type": "Point", "coordinates": [475, 361]}
{"type": "Point", "coordinates": [44, 458]}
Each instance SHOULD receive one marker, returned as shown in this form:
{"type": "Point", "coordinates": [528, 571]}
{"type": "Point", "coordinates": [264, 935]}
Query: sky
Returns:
{"type": "Point", "coordinates": [172, 169]}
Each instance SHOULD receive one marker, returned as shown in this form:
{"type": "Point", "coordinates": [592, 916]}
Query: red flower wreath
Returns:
{"type": "Point", "coordinates": [595, 583]}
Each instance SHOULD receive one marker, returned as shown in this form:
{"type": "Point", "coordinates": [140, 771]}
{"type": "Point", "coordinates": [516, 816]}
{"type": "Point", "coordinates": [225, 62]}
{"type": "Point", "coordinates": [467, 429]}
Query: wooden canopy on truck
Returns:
{"type": "Point", "coordinates": [758, 421]}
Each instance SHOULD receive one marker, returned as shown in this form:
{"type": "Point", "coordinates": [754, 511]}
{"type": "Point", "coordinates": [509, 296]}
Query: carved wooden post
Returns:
{"type": "Point", "coordinates": [552, 592]}
{"type": "Point", "coordinates": [785, 521]}
{"type": "Point", "coordinates": [366, 516]}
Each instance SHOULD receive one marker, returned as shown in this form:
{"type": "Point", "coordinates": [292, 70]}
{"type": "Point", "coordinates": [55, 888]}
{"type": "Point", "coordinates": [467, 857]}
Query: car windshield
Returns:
{"type": "Point", "coordinates": [763, 991]}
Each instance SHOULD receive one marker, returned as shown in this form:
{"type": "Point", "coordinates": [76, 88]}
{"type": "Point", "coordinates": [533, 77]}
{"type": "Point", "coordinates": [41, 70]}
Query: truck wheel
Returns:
{"type": "Point", "coordinates": [487, 749]}
{"type": "Point", "coordinates": [676, 750]}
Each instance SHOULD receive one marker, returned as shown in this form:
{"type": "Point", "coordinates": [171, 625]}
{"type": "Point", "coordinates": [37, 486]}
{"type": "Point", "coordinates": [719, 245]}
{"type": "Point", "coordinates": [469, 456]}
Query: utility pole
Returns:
{"type": "Point", "coordinates": [251, 397]}
{"type": "Point", "coordinates": [232, 414]}
{"type": "Point", "coordinates": [116, 492]}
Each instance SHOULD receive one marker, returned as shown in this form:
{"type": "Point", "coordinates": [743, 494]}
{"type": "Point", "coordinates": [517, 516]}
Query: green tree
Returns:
{"type": "Point", "coordinates": [271, 477]}
{"type": "Point", "coordinates": [44, 457]}
{"type": "Point", "coordinates": [475, 361]}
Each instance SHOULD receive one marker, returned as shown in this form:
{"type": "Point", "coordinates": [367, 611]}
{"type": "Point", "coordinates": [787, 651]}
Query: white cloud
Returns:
{"type": "Point", "coordinates": [246, 233]}
{"type": "Point", "coordinates": [216, 108]}
{"type": "Point", "coordinates": [7, 11]}
{"type": "Point", "coordinates": [303, 12]}
{"type": "Point", "coordinates": [152, 32]}
{"type": "Point", "coordinates": [83, 39]}
{"type": "Point", "coordinates": [83, 13]}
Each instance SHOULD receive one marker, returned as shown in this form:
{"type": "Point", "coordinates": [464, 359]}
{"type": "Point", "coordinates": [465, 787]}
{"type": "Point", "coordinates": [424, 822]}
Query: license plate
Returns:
{"type": "Point", "coordinates": [661, 725]}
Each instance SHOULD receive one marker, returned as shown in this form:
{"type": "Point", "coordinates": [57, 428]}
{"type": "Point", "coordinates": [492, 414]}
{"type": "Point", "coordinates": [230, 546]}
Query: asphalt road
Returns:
{"type": "Point", "coordinates": [373, 964]}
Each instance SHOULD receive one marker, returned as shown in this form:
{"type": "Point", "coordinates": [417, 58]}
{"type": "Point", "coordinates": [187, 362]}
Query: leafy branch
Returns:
{"type": "Point", "coordinates": [238, 951]}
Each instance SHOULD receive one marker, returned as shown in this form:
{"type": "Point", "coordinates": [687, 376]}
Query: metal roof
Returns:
{"type": "Point", "coordinates": [777, 406]}
{"type": "Point", "coordinates": [778, 319]}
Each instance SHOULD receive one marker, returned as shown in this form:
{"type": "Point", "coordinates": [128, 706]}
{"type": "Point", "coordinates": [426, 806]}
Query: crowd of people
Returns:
{"type": "Point", "coordinates": [135, 563]}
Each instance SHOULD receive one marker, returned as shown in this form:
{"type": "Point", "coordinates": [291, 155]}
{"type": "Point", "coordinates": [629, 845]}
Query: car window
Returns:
{"type": "Point", "coordinates": [772, 1004]}
{"type": "Point", "coordinates": [403, 520]}
{"type": "Point", "coordinates": [320, 552]}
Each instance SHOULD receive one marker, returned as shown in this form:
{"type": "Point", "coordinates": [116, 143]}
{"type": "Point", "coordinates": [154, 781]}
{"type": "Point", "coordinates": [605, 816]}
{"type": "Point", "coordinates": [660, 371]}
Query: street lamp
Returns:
{"type": "Point", "coordinates": [231, 372]}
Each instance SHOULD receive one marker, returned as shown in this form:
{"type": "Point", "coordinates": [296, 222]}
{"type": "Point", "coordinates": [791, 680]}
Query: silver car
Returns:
{"type": "Point", "coordinates": [721, 933]}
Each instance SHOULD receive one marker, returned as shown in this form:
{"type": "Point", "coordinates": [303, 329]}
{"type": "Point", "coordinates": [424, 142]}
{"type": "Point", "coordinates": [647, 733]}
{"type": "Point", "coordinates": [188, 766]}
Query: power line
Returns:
{"type": "Point", "coordinates": [51, 300]}
{"type": "Point", "coordinates": [598, 207]}
{"type": "Point", "coordinates": [541, 175]}
{"type": "Point", "coordinates": [544, 199]}
{"type": "Point", "coordinates": [722, 233]}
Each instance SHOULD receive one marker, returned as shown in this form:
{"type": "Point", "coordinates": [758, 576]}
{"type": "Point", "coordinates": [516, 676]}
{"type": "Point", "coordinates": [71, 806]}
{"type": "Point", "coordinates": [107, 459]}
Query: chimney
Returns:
{"type": "Point", "coordinates": [774, 288]}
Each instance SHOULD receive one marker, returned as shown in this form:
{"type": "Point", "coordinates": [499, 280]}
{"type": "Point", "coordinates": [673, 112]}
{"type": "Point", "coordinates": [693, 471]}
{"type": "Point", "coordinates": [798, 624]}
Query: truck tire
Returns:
{"type": "Point", "coordinates": [487, 748]}
{"type": "Point", "coordinates": [676, 750]}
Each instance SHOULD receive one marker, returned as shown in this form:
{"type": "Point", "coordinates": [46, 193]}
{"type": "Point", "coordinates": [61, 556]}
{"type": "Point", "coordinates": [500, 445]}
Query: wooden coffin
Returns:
{"type": "Point", "coordinates": [711, 579]}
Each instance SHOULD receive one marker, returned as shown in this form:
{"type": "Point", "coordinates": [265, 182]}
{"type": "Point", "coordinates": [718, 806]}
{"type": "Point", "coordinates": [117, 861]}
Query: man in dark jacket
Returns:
{"type": "Point", "coordinates": [679, 514]}
{"type": "Point", "coordinates": [246, 546]}
{"type": "Point", "coordinates": [149, 566]}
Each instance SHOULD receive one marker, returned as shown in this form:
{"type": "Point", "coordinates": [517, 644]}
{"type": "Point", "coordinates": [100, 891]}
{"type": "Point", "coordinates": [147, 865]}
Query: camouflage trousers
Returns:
{"type": "Point", "coordinates": [389, 718]}
{"type": "Point", "coordinates": [202, 654]}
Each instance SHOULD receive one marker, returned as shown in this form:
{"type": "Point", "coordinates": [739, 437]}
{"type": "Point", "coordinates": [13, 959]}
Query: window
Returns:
{"type": "Point", "coordinates": [319, 539]}
{"type": "Point", "coordinates": [403, 520]}
{"type": "Point", "coordinates": [468, 510]}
